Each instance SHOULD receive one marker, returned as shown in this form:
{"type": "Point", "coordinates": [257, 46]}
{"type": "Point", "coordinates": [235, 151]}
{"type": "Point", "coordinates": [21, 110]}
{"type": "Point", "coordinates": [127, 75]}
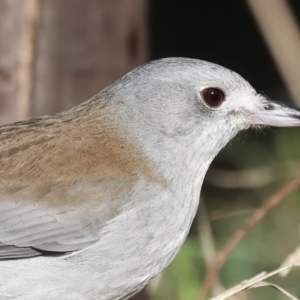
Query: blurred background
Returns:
{"type": "Point", "coordinates": [56, 54]}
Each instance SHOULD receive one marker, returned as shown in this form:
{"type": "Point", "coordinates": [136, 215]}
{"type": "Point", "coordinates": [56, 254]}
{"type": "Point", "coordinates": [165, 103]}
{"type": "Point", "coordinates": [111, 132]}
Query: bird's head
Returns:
{"type": "Point", "coordinates": [181, 106]}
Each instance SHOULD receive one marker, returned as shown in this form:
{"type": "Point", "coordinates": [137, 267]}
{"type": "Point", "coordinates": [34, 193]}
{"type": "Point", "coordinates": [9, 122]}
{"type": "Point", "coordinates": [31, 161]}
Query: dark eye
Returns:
{"type": "Point", "coordinates": [213, 97]}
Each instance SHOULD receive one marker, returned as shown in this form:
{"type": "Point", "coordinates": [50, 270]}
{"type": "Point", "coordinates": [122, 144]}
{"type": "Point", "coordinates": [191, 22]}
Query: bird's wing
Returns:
{"type": "Point", "coordinates": [31, 227]}
{"type": "Point", "coordinates": [11, 252]}
{"type": "Point", "coordinates": [61, 179]}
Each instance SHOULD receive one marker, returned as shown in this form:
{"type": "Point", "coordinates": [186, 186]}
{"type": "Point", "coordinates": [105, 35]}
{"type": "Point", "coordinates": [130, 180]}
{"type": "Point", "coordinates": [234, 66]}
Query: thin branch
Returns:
{"type": "Point", "coordinates": [258, 214]}
{"type": "Point", "coordinates": [275, 286]}
{"type": "Point", "coordinates": [227, 213]}
{"type": "Point", "coordinates": [205, 234]}
{"type": "Point", "coordinates": [256, 281]}
{"type": "Point", "coordinates": [206, 239]}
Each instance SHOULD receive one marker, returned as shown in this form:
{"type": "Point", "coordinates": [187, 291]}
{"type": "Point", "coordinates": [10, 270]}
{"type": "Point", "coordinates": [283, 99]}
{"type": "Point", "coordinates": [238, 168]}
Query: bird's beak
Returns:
{"type": "Point", "coordinates": [276, 114]}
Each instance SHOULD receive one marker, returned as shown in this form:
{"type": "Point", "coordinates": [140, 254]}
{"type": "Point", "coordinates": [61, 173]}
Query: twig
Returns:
{"type": "Point", "coordinates": [207, 241]}
{"type": "Point", "coordinates": [256, 281]}
{"type": "Point", "coordinates": [275, 286]}
{"type": "Point", "coordinates": [258, 214]}
{"type": "Point", "coordinates": [227, 213]}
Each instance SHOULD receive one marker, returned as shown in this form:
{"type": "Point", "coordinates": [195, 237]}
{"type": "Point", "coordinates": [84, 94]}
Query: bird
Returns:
{"type": "Point", "coordinates": [96, 201]}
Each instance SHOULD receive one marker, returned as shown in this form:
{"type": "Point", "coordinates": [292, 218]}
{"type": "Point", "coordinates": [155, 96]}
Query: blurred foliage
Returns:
{"type": "Point", "coordinates": [267, 245]}
{"type": "Point", "coordinates": [181, 279]}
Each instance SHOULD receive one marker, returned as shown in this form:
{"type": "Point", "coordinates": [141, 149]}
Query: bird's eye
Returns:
{"type": "Point", "coordinates": [213, 97]}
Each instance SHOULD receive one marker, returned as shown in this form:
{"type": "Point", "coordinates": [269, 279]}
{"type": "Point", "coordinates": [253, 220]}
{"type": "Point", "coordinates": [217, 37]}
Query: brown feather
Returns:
{"type": "Point", "coordinates": [47, 154]}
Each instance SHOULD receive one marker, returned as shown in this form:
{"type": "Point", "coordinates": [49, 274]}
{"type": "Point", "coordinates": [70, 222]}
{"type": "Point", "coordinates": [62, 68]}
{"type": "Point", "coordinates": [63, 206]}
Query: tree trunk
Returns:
{"type": "Point", "coordinates": [82, 46]}
{"type": "Point", "coordinates": [56, 54]}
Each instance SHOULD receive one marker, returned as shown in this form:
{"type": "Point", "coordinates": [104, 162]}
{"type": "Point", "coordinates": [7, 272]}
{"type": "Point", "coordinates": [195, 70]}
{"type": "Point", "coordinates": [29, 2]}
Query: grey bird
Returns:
{"type": "Point", "coordinates": [96, 201]}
